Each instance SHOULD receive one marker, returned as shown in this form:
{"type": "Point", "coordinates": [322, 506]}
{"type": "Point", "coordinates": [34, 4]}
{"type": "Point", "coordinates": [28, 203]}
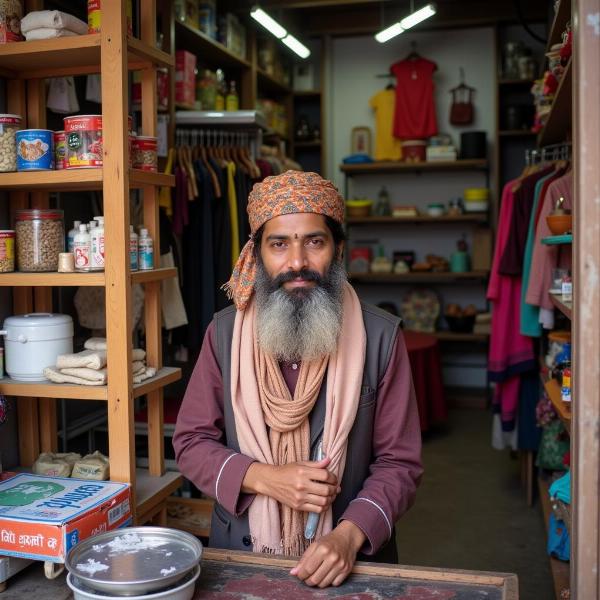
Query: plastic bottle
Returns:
{"type": "Point", "coordinates": [221, 91]}
{"type": "Point", "coordinates": [133, 249]}
{"type": "Point", "coordinates": [232, 100]}
{"type": "Point", "coordinates": [91, 225]}
{"type": "Point", "coordinates": [81, 249]}
{"type": "Point", "coordinates": [71, 235]}
{"type": "Point", "coordinates": [97, 245]}
{"type": "Point", "coordinates": [146, 251]}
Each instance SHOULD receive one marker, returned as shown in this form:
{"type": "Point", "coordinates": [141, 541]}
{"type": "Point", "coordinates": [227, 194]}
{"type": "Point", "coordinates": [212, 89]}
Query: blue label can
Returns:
{"type": "Point", "coordinates": [35, 150]}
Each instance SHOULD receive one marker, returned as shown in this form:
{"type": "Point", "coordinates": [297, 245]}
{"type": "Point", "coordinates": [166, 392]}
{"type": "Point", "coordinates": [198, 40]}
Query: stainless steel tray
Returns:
{"type": "Point", "coordinates": [183, 590]}
{"type": "Point", "coordinates": [134, 561]}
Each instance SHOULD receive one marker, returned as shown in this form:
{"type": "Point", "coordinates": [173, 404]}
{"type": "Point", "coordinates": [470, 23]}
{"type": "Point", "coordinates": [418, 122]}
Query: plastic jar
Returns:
{"type": "Point", "coordinates": [9, 124]}
{"type": "Point", "coordinates": [7, 250]}
{"type": "Point", "coordinates": [40, 238]}
{"type": "Point", "coordinates": [145, 156]}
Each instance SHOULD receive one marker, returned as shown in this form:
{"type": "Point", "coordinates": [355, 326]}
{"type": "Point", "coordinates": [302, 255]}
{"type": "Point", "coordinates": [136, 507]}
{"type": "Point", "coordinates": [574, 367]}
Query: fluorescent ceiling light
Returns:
{"type": "Point", "coordinates": [270, 24]}
{"type": "Point", "coordinates": [389, 33]}
{"type": "Point", "coordinates": [298, 47]}
{"type": "Point", "coordinates": [418, 16]}
{"type": "Point", "coordinates": [413, 19]}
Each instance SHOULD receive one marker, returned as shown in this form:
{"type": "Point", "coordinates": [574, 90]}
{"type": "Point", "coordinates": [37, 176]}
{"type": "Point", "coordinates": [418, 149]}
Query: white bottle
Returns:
{"type": "Point", "coordinates": [81, 249]}
{"type": "Point", "coordinates": [146, 251]}
{"type": "Point", "coordinates": [97, 245]}
{"type": "Point", "coordinates": [71, 235]}
{"type": "Point", "coordinates": [133, 249]}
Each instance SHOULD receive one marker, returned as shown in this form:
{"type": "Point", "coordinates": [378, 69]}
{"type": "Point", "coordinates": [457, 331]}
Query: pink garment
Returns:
{"type": "Point", "coordinates": [506, 395]}
{"type": "Point", "coordinates": [545, 258]}
{"type": "Point", "coordinates": [510, 352]}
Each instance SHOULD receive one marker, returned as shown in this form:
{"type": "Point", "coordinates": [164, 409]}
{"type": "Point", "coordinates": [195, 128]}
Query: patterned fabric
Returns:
{"type": "Point", "coordinates": [290, 192]}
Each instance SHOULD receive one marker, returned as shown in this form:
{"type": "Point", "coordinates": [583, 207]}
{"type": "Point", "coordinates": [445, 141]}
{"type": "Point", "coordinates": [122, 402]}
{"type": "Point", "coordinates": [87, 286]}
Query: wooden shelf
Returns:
{"type": "Point", "coordinates": [561, 18]}
{"type": "Point", "coordinates": [400, 167]}
{"type": "Point", "coordinates": [150, 491]}
{"type": "Point", "coordinates": [418, 277]}
{"type": "Point", "coordinates": [95, 279]}
{"type": "Point", "coordinates": [562, 409]}
{"type": "Point", "coordinates": [308, 145]}
{"type": "Point", "coordinates": [565, 307]}
{"type": "Point", "coordinates": [270, 84]}
{"type": "Point", "coordinates": [308, 94]}
{"type": "Point", "coordinates": [195, 513]}
{"type": "Point", "coordinates": [426, 219]}
{"type": "Point", "coordinates": [210, 52]}
{"type": "Point", "coordinates": [77, 179]}
{"type": "Point", "coordinates": [10, 387]}
{"type": "Point", "coordinates": [516, 82]}
{"type": "Point", "coordinates": [560, 570]}
{"type": "Point", "coordinates": [70, 56]}
{"type": "Point", "coordinates": [558, 124]}
{"type": "Point", "coordinates": [517, 133]}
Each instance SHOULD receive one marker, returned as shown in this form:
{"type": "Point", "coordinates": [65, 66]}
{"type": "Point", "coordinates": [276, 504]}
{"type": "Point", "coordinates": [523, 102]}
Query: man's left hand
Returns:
{"type": "Point", "coordinates": [330, 560]}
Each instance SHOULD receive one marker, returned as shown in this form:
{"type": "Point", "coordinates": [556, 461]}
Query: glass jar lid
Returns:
{"type": "Point", "coordinates": [39, 214]}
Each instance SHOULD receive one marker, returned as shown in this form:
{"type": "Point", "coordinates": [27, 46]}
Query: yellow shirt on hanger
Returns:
{"type": "Point", "coordinates": [233, 214]}
{"type": "Point", "coordinates": [387, 147]}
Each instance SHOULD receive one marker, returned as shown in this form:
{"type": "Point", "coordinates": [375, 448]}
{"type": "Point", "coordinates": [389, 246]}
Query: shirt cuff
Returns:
{"type": "Point", "coordinates": [229, 484]}
{"type": "Point", "coordinates": [370, 518]}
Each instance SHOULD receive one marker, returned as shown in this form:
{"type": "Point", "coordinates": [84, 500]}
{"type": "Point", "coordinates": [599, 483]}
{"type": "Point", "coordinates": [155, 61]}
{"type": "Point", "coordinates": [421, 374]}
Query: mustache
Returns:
{"type": "Point", "coordinates": [304, 274]}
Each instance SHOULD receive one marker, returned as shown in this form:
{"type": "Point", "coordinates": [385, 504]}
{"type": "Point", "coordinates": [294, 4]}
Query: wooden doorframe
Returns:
{"type": "Point", "coordinates": [585, 546]}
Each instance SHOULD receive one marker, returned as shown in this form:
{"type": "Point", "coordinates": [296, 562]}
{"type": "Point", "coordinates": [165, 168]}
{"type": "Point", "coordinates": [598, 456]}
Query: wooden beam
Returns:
{"type": "Point", "coordinates": [116, 213]}
{"type": "Point", "coordinates": [585, 541]}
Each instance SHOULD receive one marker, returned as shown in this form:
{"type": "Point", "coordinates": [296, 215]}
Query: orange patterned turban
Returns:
{"type": "Point", "coordinates": [290, 192]}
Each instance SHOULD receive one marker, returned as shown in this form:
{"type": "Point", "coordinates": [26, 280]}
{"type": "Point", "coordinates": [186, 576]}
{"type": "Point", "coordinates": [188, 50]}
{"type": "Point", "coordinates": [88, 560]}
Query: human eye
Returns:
{"type": "Point", "coordinates": [316, 242]}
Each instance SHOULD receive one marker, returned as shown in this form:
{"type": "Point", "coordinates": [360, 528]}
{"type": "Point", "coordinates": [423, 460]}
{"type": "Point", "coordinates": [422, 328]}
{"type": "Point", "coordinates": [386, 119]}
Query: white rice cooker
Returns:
{"type": "Point", "coordinates": [33, 342]}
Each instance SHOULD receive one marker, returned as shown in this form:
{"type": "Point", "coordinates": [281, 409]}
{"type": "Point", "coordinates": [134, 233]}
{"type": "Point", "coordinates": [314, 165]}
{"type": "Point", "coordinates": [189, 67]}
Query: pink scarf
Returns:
{"type": "Point", "coordinates": [344, 381]}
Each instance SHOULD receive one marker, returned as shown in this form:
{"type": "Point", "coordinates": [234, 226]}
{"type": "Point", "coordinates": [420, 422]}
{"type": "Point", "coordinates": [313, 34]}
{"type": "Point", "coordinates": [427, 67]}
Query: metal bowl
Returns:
{"type": "Point", "coordinates": [184, 590]}
{"type": "Point", "coordinates": [134, 561]}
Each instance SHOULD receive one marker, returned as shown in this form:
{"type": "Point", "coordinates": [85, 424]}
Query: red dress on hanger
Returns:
{"type": "Point", "coordinates": [414, 117]}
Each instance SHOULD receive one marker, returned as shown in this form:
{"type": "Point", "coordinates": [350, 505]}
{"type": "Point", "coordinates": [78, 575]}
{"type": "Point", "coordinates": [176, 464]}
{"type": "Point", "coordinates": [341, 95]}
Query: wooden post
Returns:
{"type": "Point", "coordinates": [116, 214]}
{"type": "Point", "coordinates": [586, 318]}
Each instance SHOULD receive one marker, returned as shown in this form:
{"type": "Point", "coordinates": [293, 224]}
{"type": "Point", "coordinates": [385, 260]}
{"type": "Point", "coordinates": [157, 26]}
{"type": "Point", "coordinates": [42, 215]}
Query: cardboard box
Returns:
{"type": "Point", "coordinates": [185, 78]}
{"type": "Point", "coordinates": [42, 518]}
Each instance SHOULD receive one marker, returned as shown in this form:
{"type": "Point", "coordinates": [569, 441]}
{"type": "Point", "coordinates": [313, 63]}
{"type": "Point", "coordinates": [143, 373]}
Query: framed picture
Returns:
{"type": "Point", "coordinates": [361, 140]}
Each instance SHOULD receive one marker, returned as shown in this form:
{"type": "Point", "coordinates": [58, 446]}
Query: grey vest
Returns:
{"type": "Point", "coordinates": [228, 531]}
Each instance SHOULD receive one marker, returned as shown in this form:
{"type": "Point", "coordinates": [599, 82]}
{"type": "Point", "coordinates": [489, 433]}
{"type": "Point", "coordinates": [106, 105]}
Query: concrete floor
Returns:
{"type": "Point", "coordinates": [470, 511]}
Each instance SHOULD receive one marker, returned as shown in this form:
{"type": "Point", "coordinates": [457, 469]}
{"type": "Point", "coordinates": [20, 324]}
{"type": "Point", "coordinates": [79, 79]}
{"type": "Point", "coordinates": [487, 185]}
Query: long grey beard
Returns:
{"type": "Point", "coordinates": [301, 324]}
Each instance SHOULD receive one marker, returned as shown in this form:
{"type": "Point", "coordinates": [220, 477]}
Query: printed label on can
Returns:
{"type": "Point", "coordinates": [10, 120]}
{"type": "Point", "coordinates": [83, 141]}
{"type": "Point", "coordinates": [35, 150]}
{"type": "Point", "coordinates": [60, 149]}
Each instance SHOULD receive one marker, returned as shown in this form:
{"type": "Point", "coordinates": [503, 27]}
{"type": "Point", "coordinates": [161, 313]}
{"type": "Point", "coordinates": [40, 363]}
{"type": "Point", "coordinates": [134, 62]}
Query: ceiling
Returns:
{"type": "Point", "coordinates": [356, 17]}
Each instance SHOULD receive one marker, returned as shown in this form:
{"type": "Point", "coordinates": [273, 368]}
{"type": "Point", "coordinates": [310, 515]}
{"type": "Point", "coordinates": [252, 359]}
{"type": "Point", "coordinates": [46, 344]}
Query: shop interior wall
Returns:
{"type": "Point", "coordinates": [351, 81]}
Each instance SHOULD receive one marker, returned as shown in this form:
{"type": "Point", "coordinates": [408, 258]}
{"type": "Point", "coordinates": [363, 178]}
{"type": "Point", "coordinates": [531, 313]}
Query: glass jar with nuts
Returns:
{"type": "Point", "coordinates": [40, 235]}
{"type": "Point", "coordinates": [9, 124]}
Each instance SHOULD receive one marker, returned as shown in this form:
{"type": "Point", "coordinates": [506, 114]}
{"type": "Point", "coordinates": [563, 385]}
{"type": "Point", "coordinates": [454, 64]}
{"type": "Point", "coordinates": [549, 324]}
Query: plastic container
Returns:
{"type": "Point", "coordinates": [145, 251]}
{"type": "Point", "coordinates": [145, 156]}
{"type": "Point", "coordinates": [33, 342]}
{"type": "Point", "coordinates": [35, 150]}
{"type": "Point", "coordinates": [7, 250]}
{"type": "Point", "coordinates": [81, 249]}
{"type": "Point", "coordinates": [60, 150]}
{"type": "Point", "coordinates": [134, 264]}
{"type": "Point", "coordinates": [359, 208]}
{"type": "Point", "coordinates": [71, 235]}
{"type": "Point", "coordinates": [97, 245]}
{"type": "Point", "coordinates": [40, 238]}
{"type": "Point", "coordinates": [476, 194]}
{"type": "Point", "coordinates": [414, 150]}
{"type": "Point", "coordinates": [9, 125]}
{"type": "Point", "coordinates": [436, 210]}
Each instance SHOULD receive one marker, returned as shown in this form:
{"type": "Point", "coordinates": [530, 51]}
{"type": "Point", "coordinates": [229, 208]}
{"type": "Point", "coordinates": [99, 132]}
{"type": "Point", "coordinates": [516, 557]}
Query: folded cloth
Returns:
{"type": "Point", "coordinates": [45, 33]}
{"type": "Point", "coordinates": [89, 359]}
{"type": "Point", "coordinates": [53, 19]}
{"type": "Point", "coordinates": [149, 372]}
{"type": "Point", "coordinates": [98, 343]}
{"type": "Point", "coordinates": [561, 488]}
{"type": "Point", "coordinates": [138, 366]}
{"type": "Point", "coordinates": [88, 374]}
{"type": "Point", "coordinates": [57, 377]}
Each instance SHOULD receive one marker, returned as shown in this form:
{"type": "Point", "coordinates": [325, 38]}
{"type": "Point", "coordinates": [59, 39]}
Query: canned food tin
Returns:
{"type": "Point", "coordinates": [95, 16]}
{"type": "Point", "coordinates": [7, 250]}
{"type": "Point", "coordinates": [9, 125]}
{"type": "Point", "coordinates": [144, 153]}
{"type": "Point", "coordinates": [60, 149]}
{"type": "Point", "coordinates": [35, 150]}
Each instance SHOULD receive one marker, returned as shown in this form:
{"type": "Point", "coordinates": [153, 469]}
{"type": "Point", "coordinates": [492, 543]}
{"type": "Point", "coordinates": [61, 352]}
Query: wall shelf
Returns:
{"type": "Point", "coordinates": [516, 82]}
{"type": "Point", "coordinates": [516, 133]}
{"type": "Point", "coordinates": [564, 306]}
{"type": "Point", "coordinates": [562, 409]}
{"type": "Point", "coordinates": [270, 84]}
{"type": "Point", "coordinates": [418, 277]}
{"type": "Point", "coordinates": [480, 218]}
{"type": "Point", "coordinates": [558, 124]}
{"type": "Point", "coordinates": [400, 167]}
{"type": "Point", "coordinates": [152, 491]}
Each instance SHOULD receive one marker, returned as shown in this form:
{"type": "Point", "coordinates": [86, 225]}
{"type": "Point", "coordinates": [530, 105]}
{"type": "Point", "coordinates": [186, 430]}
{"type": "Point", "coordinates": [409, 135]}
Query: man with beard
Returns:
{"type": "Point", "coordinates": [296, 365]}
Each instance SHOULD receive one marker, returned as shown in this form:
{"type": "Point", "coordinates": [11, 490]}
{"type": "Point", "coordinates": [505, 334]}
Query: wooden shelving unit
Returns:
{"type": "Point", "coordinates": [270, 84]}
{"type": "Point", "coordinates": [564, 306]}
{"type": "Point", "coordinates": [516, 82]}
{"type": "Point", "coordinates": [480, 218]}
{"type": "Point", "coordinates": [560, 569]}
{"type": "Point", "coordinates": [419, 277]}
{"type": "Point", "coordinates": [399, 167]}
{"type": "Point", "coordinates": [558, 124]}
{"type": "Point", "coordinates": [561, 18]}
{"type": "Point", "coordinates": [562, 410]}
{"type": "Point", "coordinates": [111, 53]}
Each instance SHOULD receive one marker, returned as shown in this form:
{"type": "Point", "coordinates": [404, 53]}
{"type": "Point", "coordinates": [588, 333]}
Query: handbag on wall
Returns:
{"type": "Point", "coordinates": [462, 111]}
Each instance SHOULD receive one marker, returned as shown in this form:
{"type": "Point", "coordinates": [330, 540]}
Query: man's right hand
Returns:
{"type": "Point", "coordinates": [306, 486]}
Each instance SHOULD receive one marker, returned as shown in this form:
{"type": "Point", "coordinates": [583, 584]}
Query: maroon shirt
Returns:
{"type": "Point", "coordinates": [387, 493]}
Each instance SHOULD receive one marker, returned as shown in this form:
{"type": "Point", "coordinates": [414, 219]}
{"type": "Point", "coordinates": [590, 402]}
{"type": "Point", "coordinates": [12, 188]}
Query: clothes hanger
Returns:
{"type": "Point", "coordinates": [414, 55]}
{"type": "Point", "coordinates": [462, 85]}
